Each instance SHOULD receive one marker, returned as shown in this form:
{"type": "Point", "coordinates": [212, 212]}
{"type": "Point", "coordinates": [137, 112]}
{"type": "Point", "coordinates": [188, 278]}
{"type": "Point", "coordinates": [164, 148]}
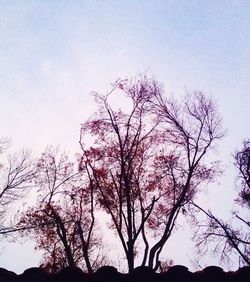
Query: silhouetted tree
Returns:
{"type": "Point", "coordinates": [63, 220]}
{"type": "Point", "coordinates": [148, 160]}
{"type": "Point", "coordinates": [234, 234]}
{"type": "Point", "coordinates": [120, 165]}
{"type": "Point", "coordinates": [242, 163]}
{"type": "Point", "coordinates": [16, 174]}
{"type": "Point", "coordinates": [193, 126]}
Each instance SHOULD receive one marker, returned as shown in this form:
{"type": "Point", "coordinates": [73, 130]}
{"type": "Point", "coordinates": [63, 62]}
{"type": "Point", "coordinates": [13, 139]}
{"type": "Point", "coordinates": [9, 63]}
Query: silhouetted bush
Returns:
{"type": "Point", "coordinates": [177, 273]}
{"type": "Point", "coordinates": [7, 276]}
{"type": "Point", "coordinates": [71, 274]}
{"type": "Point", "coordinates": [34, 274]}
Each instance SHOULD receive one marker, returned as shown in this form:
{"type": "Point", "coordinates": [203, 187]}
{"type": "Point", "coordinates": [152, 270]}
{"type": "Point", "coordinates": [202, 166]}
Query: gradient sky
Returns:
{"type": "Point", "coordinates": [54, 53]}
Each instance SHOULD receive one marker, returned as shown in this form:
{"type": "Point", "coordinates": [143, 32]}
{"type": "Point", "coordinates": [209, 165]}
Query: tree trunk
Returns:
{"type": "Point", "coordinates": [84, 248]}
{"type": "Point", "coordinates": [130, 256]}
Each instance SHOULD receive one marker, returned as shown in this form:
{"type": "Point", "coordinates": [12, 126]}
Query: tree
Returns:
{"type": "Point", "coordinates": [147, 161]}
{"type": "Point", "coordinates": [193, 127]}
{"type": "Point", "coordinates": [231, 235]}
{"type": "Point", "coordinates": [16, 174]}
{"type": "Point", "coordinates": [118, 166]}
{"type": "Point", "coordinates": [242, 163]}
{"type": "Point", "coordinates": [63, 220]}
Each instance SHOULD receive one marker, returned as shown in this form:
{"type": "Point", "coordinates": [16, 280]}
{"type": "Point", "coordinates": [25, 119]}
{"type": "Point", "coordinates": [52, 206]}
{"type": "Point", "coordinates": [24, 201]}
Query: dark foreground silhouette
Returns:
{"type": "Point", "coordinates": [176, 273]}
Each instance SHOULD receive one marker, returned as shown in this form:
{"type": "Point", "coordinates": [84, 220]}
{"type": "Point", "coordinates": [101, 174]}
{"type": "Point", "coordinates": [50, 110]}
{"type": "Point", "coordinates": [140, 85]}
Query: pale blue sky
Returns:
{"type": "Point", "coordinates": [53, 53]}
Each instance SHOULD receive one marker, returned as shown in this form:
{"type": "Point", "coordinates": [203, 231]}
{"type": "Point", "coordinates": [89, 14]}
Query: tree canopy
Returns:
{"type": "Point", "coordinates": [147, 161]}
{"type": "Point", "coordinates": [144, 157]}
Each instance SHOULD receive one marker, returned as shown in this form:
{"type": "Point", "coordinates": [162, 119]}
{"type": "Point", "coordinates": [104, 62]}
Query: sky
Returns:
{"type": "Point", "coordinates": [54, 53]}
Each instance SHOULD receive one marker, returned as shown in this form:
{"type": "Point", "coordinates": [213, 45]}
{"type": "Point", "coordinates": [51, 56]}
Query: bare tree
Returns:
{"type": "Point", "coordinates": [242, 163]}
{"type": "Point", "coordinates": [232, 235]}
{"type": "Point", "coordinates": [192, 128]}
{"type": "Point", "coordinates": [16, 174]}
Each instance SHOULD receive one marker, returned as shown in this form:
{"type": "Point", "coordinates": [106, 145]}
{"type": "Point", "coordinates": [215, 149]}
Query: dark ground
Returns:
{"type": "Point", "coordinates": [176, 273]}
